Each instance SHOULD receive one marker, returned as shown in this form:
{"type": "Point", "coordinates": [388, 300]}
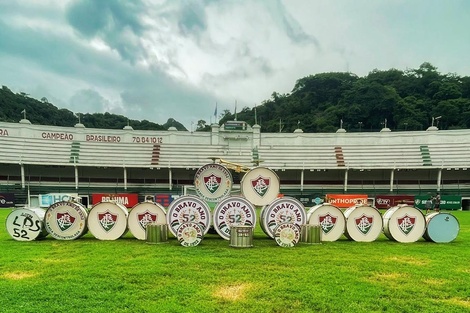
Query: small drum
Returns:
{"type": "Point", "coordinates": [188, 209]}
{"type": "Point", "coordinates": [156, 233]}
{"type": "Point", "coordinates": [233, 211]}
{"type": "Point", "coordinates": [241, 236]}
{"type": "Point", "coordinates": [190, 234]}
{"type": "Point", "coordinates": [330, 218]}
{"type": "Point", "coordinates": [260, 186]}
{"type": "Point", "coordinates": [26, 224]}
{"type": "Point", "coordinates": [66, 220]}
{"type": "Point", "coordinates": [213, 182]}
{"type": "Point", "coordinates": [363, 223]}
{"type": "Point", "coordinates": [108, 220]}
{"type": "Point", "coordinates": [441, 227]}
{"type": "Point", "coordinates": [282, 210]}
{"type": "Point", "coordinates": [142, 214]}
{"type": "Point", "coordinates": [310, 234]}
{"type": "Point", "coordinates": [287, 235]}
{"type": "Point", "coordinates": [404, 223]}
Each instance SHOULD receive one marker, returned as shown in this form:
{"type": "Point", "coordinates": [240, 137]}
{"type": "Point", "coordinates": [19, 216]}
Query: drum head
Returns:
{"type": "Point", "coordinates": [363, 223]}
{"type": "Point", "coordinates": [441, 227]}
{"type": "Point", "coordinates": [330, 218]}
{"type": "Point", "coordinates": [190, 234]}
{"type": "Point", "coordinates": [233, 211]}
{"type": "Point", "coordinates": [404, 223]}
{"type": "Point", "coordinates": [213, 182]}
{"type": "Point", "coordinates": [66, 220]}
{"type": "Point", "coordinates": [260, 186]}
{"type": "Point", "coordinates": [108, 220]}
{"type": "Point", "coordinates": [188, 209]}
{"type": "Point", "coordinates": [26, 224]}
{"type": "Point", "coordinates": [143, 214]}
{"type": "Point", "coordinates": [282, 210]}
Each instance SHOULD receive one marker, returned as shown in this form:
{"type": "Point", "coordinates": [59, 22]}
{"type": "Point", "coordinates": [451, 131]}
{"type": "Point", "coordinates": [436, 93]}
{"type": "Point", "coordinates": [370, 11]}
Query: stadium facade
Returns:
{"type": "Point", "coordinates": [39, 159]}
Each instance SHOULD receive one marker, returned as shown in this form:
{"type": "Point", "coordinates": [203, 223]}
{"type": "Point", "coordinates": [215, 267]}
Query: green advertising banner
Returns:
{"type": "Point", "coordinates": [447, 202]}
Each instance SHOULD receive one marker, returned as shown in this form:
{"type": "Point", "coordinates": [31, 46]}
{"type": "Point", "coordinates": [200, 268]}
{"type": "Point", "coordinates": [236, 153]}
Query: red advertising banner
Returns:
{"type": "Point", "coordinates": [388, 201]}
{"type": "Point", "coordinates": [345, 201]}
{"type": "Point", "coordinates": [126, 199]}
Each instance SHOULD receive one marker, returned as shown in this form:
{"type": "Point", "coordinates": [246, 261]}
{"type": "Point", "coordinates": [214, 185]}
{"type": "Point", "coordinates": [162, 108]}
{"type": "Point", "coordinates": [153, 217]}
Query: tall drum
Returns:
{"type": "Point", "coordinates": [213, 182]}
{"type": "Point", "coordinates": [363, 223]}
{"type": "Point", "coordinates": [260, 186]}
{"type": "Point", "coordinates": [188, 209]}
{"type": "Point", "coordinates": [330, 218]}
{"type": "Point", "coordinates": [441, 227]}
{"type": "Point", "coordinates": [282, 210]}
{"type": "Point", "coordinates": [26, 224]}
{"type": "Point", "coordinates": [66, 220]}
{"type": "Point", "coordinates": [142, 214]}
{"type": "Point", "coordinates": [108, 220]}
{"type": "Point", "coordinates": [233, 211]}
{"type": "Point", "coordinates": [404, 223]}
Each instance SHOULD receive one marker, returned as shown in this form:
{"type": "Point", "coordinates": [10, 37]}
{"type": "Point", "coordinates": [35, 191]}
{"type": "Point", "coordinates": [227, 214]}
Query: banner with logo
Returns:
{"type": "Point", "coordinates": [7, 200]}
{"type": "Point", "coordinates": [49, 199]}
{"type": "Point", "coordinates": [126, 199]}
{"type": "Point", "coordinates": [447, 202]}
{"type": "Point", "coordinates": [345, 201]}
{"type": "Point", "coordinates": [388, 201]}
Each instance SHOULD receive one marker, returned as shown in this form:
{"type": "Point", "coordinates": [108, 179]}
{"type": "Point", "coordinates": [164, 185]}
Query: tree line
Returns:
{"type": "Point", "coordinates": [402, 100]}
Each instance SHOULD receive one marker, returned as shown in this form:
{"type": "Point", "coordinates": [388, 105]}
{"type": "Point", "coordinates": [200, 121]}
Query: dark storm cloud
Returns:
{"type": "Point", "coordinates": [116, 22]}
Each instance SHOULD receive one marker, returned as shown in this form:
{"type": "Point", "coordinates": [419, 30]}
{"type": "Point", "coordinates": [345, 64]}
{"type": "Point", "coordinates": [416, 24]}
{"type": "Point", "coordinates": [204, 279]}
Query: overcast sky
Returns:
{"type": "Point", "coordinates": [156, 59]}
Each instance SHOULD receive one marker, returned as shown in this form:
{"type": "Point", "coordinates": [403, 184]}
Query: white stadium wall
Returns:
{"type": "Point", "coordinates": [40, 159]}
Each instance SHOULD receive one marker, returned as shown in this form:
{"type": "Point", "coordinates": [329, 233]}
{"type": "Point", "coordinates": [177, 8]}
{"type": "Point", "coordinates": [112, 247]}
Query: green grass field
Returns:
{"type": "Point", "coordinates": [128, 275]}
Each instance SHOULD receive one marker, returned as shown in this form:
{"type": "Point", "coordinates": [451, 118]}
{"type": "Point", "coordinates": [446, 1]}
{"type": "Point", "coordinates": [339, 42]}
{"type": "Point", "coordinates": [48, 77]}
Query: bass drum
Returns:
{"type": "Point", "coordinates": [330, 218]}
{"type": "Point", "coordinates": [233, 211]}
{"type": "Point", "coordinates": [26, 224]}
{"type": "Point", "coordinates": [213, 182]}
{"type": "Point", "coordinates": [260, 186]}
{"type": "Point", "coordinates": [280, 211]}
{"type": "Point", "coordinates": [188, 210]}
{"type": "Point", "coordinates": [66, 220]}
{"type": "Point", "coordinates": [441, 227]}
{"type": "Point", "coordinates": [363, 223]}
{"type": "Point", "coordinates": [142, 214]}
{"type": "Point", "coordinates": [108, 220]}
{"type": "Point", "coordinates": [404, 223]}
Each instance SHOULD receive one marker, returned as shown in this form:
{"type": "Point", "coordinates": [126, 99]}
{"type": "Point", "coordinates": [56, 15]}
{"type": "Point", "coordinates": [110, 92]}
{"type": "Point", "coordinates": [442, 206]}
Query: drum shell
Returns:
{"type": "Point", "coordinates": [441, 227]}
{"type": "Point", "coordinates": [255, 195]}
{"type": "Point", "coordinates": [143, 214]}
{"type": "Point", "coordinates": [66, 220]}
{"type": "Point", "coordinates": [363, 223]}
{"type": "Point", "coordinates": [241, 236]}
{"type": "Point", "coordinates": [108, 220]}
{"type": "Point", "coordinates": [26, 224]}
{"type": "Point", "coordinates": [330, 219]}
{"type": "Point", "coordinates": [310, 234]}
{"type": "Point", "coordinates": [394, 227]}
{"type": "Point", "coordinates": [156, 233]}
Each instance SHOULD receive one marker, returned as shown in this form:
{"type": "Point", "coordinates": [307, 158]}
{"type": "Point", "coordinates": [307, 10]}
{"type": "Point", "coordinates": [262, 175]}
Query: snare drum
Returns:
{"type": "Point", "coordinates": [260, 186]}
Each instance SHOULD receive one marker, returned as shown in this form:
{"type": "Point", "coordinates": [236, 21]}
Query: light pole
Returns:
{"type": "Point", "coordinates": [435, 119]}
{"type": "Point", "coordinates": [406, 125]}
{"type": "Point", "coordinates": [360, 126]}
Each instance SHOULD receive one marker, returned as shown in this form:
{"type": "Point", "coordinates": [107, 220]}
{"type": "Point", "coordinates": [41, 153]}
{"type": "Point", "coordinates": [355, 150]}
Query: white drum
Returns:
{"type": "Point", "coordinates": [108, 220]}
{"type": "Point", "coordinates": [260, 186]}
{"type": "Point", "coordinates": [363, 223]}
{"type": "Point", "coordinates": [190, 234]}
{"type": "Point", "coordinates": [330, 218]}
{"type": "Point", "coordinates": [143, 214]}
{"type": "Point", "coordinates": [26, 224]}
{"type": "Point", "coordinates": [233, 211]}
{"type": "Point", "coordinates": [66, 220]}
{"type": "Point", "coordinates": [441, 227]}
{"type": "Point", "coordinates": [404, 223]}
{"type": "Point", "coordinates": [282, 210]}
{"type": "Point", "coordinates": [188, 209]}
{"type": "Point", "coordinates": [287, 235]}
{"type": "Point", "coordinates": [213, 182]}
